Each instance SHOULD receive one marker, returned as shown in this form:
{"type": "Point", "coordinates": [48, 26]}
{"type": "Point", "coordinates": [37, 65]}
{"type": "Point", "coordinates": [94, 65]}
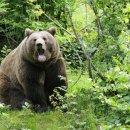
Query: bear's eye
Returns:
{"type": "Point", "coordinates": [44, 38]}
{"type": "Point", "coordinates": [34, 40]}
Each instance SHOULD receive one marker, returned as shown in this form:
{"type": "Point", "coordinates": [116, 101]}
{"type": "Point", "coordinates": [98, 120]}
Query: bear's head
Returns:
{"type": "Point", "coordinates": [41, 47]}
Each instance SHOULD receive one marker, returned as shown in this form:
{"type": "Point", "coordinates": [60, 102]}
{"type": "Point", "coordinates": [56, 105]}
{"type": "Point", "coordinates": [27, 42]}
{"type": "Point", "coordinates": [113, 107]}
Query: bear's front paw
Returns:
{"type": "Point", "coordinates": [39, 108]}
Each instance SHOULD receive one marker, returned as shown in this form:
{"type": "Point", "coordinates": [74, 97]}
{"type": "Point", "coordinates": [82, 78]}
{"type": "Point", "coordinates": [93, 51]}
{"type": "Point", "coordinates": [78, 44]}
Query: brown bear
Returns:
{"type": "Point", "coordinates": [32, 71]}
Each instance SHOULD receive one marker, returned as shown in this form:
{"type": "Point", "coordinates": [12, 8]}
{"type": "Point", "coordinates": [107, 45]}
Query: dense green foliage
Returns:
{"type": "Point", "coordinates": [17, 15]}
{"type": "Point", "coordinates": [103, 27]}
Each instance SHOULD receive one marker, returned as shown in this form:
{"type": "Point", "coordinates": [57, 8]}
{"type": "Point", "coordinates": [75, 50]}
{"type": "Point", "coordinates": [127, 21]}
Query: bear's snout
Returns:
{"type": "Point", "coordinates": [39, 45]}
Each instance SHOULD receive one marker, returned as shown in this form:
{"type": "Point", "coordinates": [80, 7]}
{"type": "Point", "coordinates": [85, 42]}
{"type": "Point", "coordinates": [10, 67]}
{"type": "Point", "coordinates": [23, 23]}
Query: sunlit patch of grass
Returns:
{"type": "Point", "coordinates": [78, 81]}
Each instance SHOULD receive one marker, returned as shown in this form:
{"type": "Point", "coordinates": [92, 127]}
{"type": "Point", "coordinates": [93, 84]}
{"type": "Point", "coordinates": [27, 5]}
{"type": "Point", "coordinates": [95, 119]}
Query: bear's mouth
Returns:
{"type": "Point", "coordinates": [41, 57]}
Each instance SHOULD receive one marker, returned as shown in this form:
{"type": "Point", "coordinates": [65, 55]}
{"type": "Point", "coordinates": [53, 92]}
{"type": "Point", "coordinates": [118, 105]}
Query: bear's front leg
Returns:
{"type": "Point", "coordinates": [32, 83]}
{"type": "Point", "coordinates": [17, 98]}
{"type": "Point", "coordinates": [35, 93]}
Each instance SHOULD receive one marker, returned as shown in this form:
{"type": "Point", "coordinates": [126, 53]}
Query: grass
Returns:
{"type": "Point", "coordinates": [79, 115]}
{"type": "Point", "coordinates": [24, 120]}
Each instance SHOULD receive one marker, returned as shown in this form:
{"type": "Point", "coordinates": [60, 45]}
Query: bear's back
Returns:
{"type": "Point", "coordinates": [8, 62]}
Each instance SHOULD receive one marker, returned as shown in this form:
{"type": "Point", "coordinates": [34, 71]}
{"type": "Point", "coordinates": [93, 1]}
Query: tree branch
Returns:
{"type": "Point", "coordinates": [81, 44]}
{"type": "Point", "coordinates": [90, 69]}
{"type": "Point", "coordinates": [73, 27]}
{"type": "Point", "coordinates": [90, 65]}
{"type": "Point", "coordinates": [98, 73]}
{"type": "Point", "coordinates": [99, 26]}
{"type": "Point", "coordinates": [59, 25]}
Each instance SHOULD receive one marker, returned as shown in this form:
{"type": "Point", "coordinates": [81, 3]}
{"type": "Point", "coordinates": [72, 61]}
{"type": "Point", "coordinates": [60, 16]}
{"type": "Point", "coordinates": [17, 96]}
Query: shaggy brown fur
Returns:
{"type": "Point", "coordinates": [31, 71]}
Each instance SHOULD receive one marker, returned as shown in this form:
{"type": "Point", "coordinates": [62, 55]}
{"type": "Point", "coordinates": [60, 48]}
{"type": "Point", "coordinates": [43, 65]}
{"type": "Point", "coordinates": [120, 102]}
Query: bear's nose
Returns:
{"type": "Point", "coordinates": [39, 44]}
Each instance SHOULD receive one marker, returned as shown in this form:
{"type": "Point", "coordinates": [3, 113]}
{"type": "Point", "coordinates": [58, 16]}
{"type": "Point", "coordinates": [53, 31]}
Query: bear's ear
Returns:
{"type": "Point", "coordinates": [52, 31]}
{"type": "Point", "coordinates": [28, 32]}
